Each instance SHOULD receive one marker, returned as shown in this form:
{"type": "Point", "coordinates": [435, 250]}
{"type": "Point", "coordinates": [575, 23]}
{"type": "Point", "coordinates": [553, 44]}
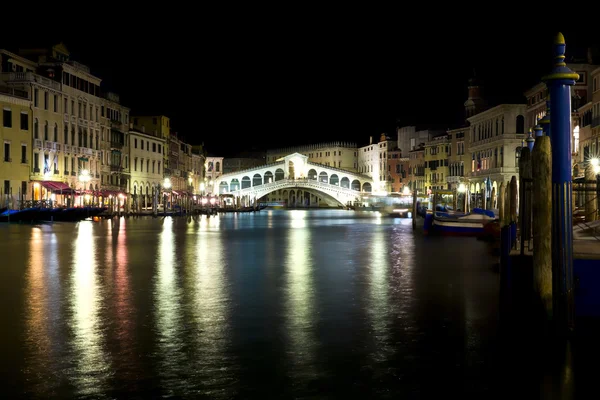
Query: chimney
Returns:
{"type": "Point", "coordinates": [370, 140]}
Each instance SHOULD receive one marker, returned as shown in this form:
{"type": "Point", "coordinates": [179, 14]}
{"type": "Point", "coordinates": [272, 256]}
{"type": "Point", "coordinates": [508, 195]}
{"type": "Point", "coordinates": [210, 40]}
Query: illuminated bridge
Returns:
{"type": "Point", "coordinates": [295, 180]}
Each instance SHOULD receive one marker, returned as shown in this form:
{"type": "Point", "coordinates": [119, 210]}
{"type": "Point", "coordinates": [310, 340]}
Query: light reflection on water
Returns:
{"type": "Point", "coordinates": [91, 362]}
{"type": "Point", "coordinates": [267, 305]}
{"type": "Point", "coordinates": [299, 306]}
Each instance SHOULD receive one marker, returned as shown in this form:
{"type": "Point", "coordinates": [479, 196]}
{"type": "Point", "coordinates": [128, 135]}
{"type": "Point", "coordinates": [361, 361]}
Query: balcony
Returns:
{"type": "Point", "coordinates": [38, 144]}
{"type": "Point", "coordinates": [492, 171]}
{"type": "Point", "coordinates": [14, 92]}
{"type": "Point", "coordinates": [116, 145]}
{"type": "Point", "coordinates": [116, 168]}
{"type": "Point", "coordinates": [67, 148]}
{"type": "Point", "coordinates": [66, 119]}
{"type": "Point", "coordinates": [30, 77]}
{"type": "Point", "coordinates": [86, 151]}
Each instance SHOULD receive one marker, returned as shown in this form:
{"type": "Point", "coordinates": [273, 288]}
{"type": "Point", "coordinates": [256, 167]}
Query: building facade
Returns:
{"type": "Point", "coordinates": [15, 135]}
{"type": "Point", "coordinates": [147, 163]}
{"type": "Point", "coordinates": [457, 157]}
{"type": "Point", "coordinates": [437, 151]}
{"type": "Point", "coordinates": [397, 170]}
{"type": "Point", "coordinates": [495, 138]}
{"type": "Point", "coordinates": [214, 169]}
{"type": "Point", "coordinates": [341, 155]}
{"type": "Point", "coordinates": [416, 169]}
{"type": "Point", "coordinates": [373, 162]}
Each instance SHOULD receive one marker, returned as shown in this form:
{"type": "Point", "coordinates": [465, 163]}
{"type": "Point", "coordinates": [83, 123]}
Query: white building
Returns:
{"type": "Point", "coordinates": [372, 161]}
{"type": "Point", "coordinates": [213, 170]}
{"type": "Point", "coordinates": [495, 135]}
{"type": "Point", "coordinates": [146, 155]}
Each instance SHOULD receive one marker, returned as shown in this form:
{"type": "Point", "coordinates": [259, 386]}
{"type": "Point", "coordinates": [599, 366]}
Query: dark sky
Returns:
{"type": "Point", "coordinates": [277, 77]}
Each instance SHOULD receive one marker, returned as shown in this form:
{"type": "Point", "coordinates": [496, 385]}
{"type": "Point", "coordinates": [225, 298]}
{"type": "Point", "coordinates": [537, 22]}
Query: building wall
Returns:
{"type": "Point", "coordinates": [147, 166]}
{"type": "Point", "coordinates": [494, 137]}
{"type": "Point", "coordinates": [458, 154]}
{"type": "Point", "coordinates": [241, 163]}
{"type": "Point", "coordinates": [214, 169]}
{"type": "Point", "coordinates": [15, 131]}
{"type": "Point", "coordinates": [416, 169]}
{"type": "Point", "coordinates": [397, 170]}
{"type": "Point", "coordinates": [335, 154]}
{"type": "Point", "coordinates": [437, 151]}
{"type": "Point", "coordinates": [373, 162]}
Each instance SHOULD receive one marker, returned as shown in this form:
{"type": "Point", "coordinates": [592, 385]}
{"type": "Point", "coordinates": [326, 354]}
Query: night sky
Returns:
{"type": "Point", "coordinates": [237, 80]}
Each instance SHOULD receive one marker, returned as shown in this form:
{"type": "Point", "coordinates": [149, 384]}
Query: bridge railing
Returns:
{"type": "Point", "coordinates": [364, 177]}
{"type": "Point", "coordinates": [304, 182]}
{"type": "Point", "coordinates": [244, 171]}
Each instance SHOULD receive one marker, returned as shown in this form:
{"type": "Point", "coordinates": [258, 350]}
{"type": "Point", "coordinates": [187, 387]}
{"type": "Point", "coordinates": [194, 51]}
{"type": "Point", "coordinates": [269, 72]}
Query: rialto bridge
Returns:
{"type": "Point", "coordinates": [296, 181]}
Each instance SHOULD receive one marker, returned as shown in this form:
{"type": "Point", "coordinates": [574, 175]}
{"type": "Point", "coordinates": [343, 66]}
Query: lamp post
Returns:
{"type": "Point", "coordinates": [84, 177]}
{"type": "Point", "coordinates": [167, 187]}
{"type": "Point", "coordinates": [463, 189]}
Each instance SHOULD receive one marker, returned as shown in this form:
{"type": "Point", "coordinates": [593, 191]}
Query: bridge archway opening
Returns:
{"type": "Point", "coordinates": [312, 174]}
{"type": "Point", "coordinates": [257, 180]}
{"type": "Point", "coordinates": [334, 180]}
{"type": "Point", "coordinates": [345, 183]}
{"type": "Point", "coordinates": [323, 177]}
{"type": "Point", "coordinates": [279, 174]}
{"type": "Point", "coordinates": [245, 182]}
{"type": "Point", "coordinates": [268, 177]}
{"type": "Point", "coordinates": [367, 187]}
{"type": "Point", "coordinates": [223, 188]}
{"type": "Point", "coordinates": [235, 185]}
{"type": "Point", "coordinates": [355, 185]}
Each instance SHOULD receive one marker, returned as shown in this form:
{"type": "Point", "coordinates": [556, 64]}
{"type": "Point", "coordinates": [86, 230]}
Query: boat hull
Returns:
{"type": "Point", "coordinates": [458, 225]}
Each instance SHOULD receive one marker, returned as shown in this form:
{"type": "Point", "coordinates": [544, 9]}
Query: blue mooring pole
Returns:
{"type": "Point", "coordinates": [559, 82]}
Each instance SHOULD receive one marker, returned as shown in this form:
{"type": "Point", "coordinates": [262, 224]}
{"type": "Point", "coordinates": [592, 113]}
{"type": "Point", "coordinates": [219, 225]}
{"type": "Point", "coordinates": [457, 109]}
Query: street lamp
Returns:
{"type": "Point", "coordinates": [84, 177]}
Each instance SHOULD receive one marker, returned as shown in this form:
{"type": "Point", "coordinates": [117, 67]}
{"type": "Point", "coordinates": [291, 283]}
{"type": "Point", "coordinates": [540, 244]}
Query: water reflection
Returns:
{"type": "Point", "coordinates": [378, 308]}
{"type": "Point", "coordinates": [210, 301]}
{"type": "Point", "coordinates": [42, 310]}
{"type": "Point", "coordinates": [92, 365]}
{"type": "Point", "coordinates": [168, 312]}
{"type": "Point", "coordinates": [300, 298]}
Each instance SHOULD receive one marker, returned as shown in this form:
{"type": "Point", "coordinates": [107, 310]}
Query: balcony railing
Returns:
{"type": "Point", "coordinates": [86, 151]}
{"type": "Point", "coordinates": [67, 148]}
{"type": "Point", "coordinates": [499, 170]}
{"type": "Point", "coordinates": [38, 144]}
{"type": "Point", "coordinates": [14, 92]}
{"type": "Point", "coordinates": [116, 144]}
{"type": "Point", "coordinates": [116, 168]}
{"type": "Point", "coordinates": [30, 77]}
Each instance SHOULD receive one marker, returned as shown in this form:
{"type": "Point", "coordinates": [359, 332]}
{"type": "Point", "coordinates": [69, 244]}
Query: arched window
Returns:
{"type": "Point", "coordinates": [520, 124]}
{"type": "Point", "coordinates": [218, 167]}
{"type": "Point", "coordinates": [46, 131]}
{"type": "Point", "coordinates": [66, 134]}
{"type": "Point", "coordinates": [73, 136]}
{"type": "Point", "coordinates": [55, 132]}
{"type": "Point", "coordinates": [80, 137]}
{"type": "Point", "coordinates": [36, 129]}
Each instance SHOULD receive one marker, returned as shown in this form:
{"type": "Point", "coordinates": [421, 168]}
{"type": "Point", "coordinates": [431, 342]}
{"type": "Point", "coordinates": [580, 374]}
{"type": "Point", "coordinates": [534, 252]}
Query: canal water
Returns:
{"type": "Point", "coordinates": [276, 304]}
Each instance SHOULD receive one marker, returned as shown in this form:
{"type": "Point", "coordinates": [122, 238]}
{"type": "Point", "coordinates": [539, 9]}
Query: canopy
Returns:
{"type": "Point", "coordinates": [57, 187]}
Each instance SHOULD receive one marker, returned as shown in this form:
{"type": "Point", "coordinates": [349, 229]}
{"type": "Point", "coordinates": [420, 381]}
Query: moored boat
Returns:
{"type": "Point", "coordinates": [456, 223]}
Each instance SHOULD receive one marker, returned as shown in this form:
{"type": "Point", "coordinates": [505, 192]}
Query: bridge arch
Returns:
{"type": "Point", "coordinates": [257, 180]}
{"type": "Point", "coordinates": [355, 185]}
{"type": "Point", "coordinates": [234, 185]}
{"type": "Point", "coordinates": [334, 180]}
{"type": "Point", "coordinates": [279, 174]}
{"type": "Point", "coordinates": [268, 177]}
{"type": "Point", "coordinates": [367, 187]}
{"type": "Point", "coordinates": [323, 177]}
{"type": "Point", "coordinates": [312, 174]}
{"type": "Point", "coordinates": [245, 182]}
{"type": "Point", "coordinates": [223, 187]}
{"type": "Point", "coordinates": [345, 182]}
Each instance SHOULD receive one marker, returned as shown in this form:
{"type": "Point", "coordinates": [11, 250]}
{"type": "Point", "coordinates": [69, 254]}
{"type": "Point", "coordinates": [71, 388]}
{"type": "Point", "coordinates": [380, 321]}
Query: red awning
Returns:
{"type": "Point", "coordinates": [57, 187]}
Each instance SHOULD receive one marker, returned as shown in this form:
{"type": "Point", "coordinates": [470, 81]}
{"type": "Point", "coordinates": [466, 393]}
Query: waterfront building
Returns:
{"type": "Point", "coordinates": [397, 170]}
{"type": "Point", "coordinates": [495, 138]}
{"type": "Point", "coordinates": [593, 144]}
{"type": "Point", "coordinates": [79, 133]}
{"type": "Point", "coordinates": [15, 135]}
{"type": "Point", "coordinates": [457, 157]}
{"type": "Point", "coordinates": [437, 150]}
{"type": "Point", "coordinates": [342, 155]}
{"type": "Point", "coordinates": [416, 168]}
{"type": "Point", "coordinates": [156, 125]}
{"type": "Point", "coordinates": [146, 156]}
{"type": "Point", "coordinates": [409, 138]}
{"type": "Point", "coordinates": [214, 169]}
{"type": "Point", "coordinates": [581, 94]}
{"type": "Point", "coordinates": [373, 162]}
{"type": "Point", "coordinates": [197, 172]}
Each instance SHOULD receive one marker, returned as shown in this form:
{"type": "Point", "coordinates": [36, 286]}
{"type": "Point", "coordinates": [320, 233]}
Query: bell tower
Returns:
{"type": "Point", "coordinates": [475, 102]}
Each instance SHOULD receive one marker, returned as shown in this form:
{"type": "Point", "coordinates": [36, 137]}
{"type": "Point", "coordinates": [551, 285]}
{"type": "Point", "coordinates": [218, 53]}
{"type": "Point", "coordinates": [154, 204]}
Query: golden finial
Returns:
{"type": "Point", "coordinates": [560, 39]}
